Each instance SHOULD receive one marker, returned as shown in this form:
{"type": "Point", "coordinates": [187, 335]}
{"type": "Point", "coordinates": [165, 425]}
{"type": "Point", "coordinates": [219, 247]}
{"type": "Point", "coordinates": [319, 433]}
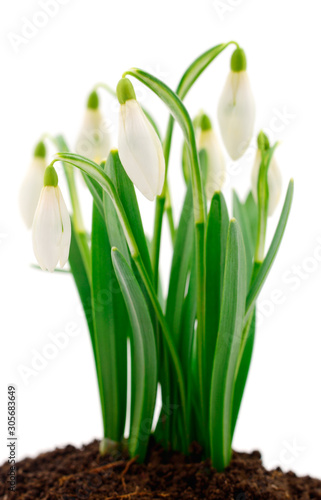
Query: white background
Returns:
{"type": "Point", "coordinates": [45, 82]}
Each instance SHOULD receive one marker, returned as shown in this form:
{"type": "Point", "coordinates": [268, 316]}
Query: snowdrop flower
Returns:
{"type": "Point", "coordinates": [32, 185]}
{"type": "Point", "coordinates": [94, 140]}
{"type": "Point", "coordinates": [140, 149]}
{"type": "Point", "coordinates": [236, 109]}
{"type": "Point", "coordinates": [51, 229]}
{"type": "Point", "coordinates": [207, 140]}
{"type": "Point", "coordinates": [273, 176]}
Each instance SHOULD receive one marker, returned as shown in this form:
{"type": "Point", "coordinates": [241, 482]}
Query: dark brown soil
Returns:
{"type": "Point", "coordinates": [70, 473]}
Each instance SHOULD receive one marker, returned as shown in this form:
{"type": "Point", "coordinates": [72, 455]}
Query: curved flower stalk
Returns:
{"type": "Point", "coordinates": [94, 140]}
{"type": "Point", "coordinates": [236, 109]}
{"type": "Point", "coordinates": [32, 184]}
{"type": "Point", "coordinates": [216, 169]}
{"type": "Point", "coordinates": [51, 229]}
{"type": "Point", "coordinates": [140, 149]}
{"type": "Point", "coordinates": [274, 180]}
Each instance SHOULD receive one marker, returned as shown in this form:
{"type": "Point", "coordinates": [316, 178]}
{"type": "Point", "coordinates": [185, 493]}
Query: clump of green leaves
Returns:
{"type": "Point", "coordinates": [194, 341]}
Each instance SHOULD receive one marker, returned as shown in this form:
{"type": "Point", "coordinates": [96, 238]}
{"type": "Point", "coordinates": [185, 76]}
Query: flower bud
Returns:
{"type": "Point", "coordinates": [216, 171]}
{"type": "Point", "coordinates": [32, 184]}
{"type": "Point", "coordinates": [273, 176]}
{"type": "Point", "coordinates": [236, 109]}
{"type": "Point", "coordinates": [140, 149]}
{"type": "Point", "coordinates": [51, 229]}
{"type": "Point", "coordinates": [94, 140]}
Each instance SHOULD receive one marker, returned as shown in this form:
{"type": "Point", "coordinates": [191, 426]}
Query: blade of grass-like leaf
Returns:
{"type": "Point", "coordinates": [216, 238]}
{"type": "Point", "coordinates": [244, 366]}
{"type": "Point", "coordinates": [126, 192]}
{"type": "Point", "coordinates": [111, 324]}
{"type": "Point", "coordinates": [227, 348]}
{"type": "Point", "coordinates": [251, 211]}
{"type": "Point", "coordinates": [241, 216]}
{"type": "Point", "coordinates": [271, 254]}
{"type": "Point", "coordinates": [197, 67]}
{"type": "Point", "coordinates": [83, 285]}
{"type": "Point", "coordinates": [95, 192]}
{"type": "Point", "coordinates": [187, 340]}
{"type": "Point", "coordinates": [181, 262]}
{"type": "Point", "coordinates": [144, 359]}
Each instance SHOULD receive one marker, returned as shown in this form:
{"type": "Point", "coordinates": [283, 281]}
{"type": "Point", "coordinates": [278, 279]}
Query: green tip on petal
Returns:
{"type": "Point", "coordinates": [238, 60]}
{"type": "Point", "coordinates": [50, 177]}
{"type": "Point", "coordinates": [40, 150]}
{"type": "Point", "coordinates": [205, 123]}
{"type": "Point", "coordinates": [263, 142]}
{"type": "Point", "coordinates": [93, 100]}
{"type": "Point", "coordinates": [125, 91]}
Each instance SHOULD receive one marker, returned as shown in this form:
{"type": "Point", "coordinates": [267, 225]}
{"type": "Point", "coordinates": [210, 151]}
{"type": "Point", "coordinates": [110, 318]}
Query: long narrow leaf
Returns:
{"type": "Point", "coordinates": [143, 355]}
{"type": "Point", "coordinates": [216, 238]}
{"type": "Point", "coordinates": [112, 326]}
{"type": "Point", "coordinates": [127, 195]}
{"type": "Point", "coordinates": [271, 254]}
{"type": "Point", "coordinates": [227, 348]}
{"type": "Point", "coordinates": [241, 216]}
{"type": "Point", "coordinates": [244, 366]}
{"type": "Point", "coordinates": [181, 263]}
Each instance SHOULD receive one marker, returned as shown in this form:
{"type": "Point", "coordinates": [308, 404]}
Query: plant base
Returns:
{"type": "Point", "coordinates": [72, 473]}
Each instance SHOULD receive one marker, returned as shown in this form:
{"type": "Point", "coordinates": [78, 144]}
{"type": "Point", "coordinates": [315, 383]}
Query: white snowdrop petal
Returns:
{"type": "Point", "coordinates": [140, 150]}
{"type": "Point", "coordinates": [275, 186]}
{"type": "Point", "coordinates": [216, 171]}
{"type": "Point", "coordinates": [66, 229]}
{"type": "Point", "coordinates": [46, 231]}
{"type": "Point", "coordinates": [30, 190]}
{"type": "Point", "coordinates": [94, 140]}
{"type": "Point", "coordinates": [236, 113]}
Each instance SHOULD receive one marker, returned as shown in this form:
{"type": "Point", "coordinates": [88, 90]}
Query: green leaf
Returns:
{"type": "Point", "coordinates": [127, 196]}
{"type": "Point", "coordinates": [241, 216]}
{"type": "Point", "coordinates": [96, 193]}
{"type": "Point", "coordinates": [81, 279]}
{"type": "Point", "coordinates": [181, 263]}
{"type": "Point", "coordinates": [95, 171]}
{"type": "Point", "coordinates": [197, 67]}
{"type": "Point", "coordinates": [111, 324]}
{"type": "Point", "coordinates": [271, 254]}
{"type": "Point", "coordinates": [216, 238]}
{"type": "Point", "coordinates": [227, 348]}
{"type": "Point", "coordinates": [244, 366]}
{"type": "Point", "coordinates": [251, 211]}
{"type": "Point", "coordinates": [143, 358]}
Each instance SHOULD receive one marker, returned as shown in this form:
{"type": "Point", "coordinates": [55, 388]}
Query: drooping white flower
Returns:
{"type": "Point", "coordinates": [236, 109]}
{"type": "Point", "coordinates": [51, 229]}
{"type": "Point", "coordinates": [216, 171]}
{"type": "Point", "coordinates": [94, 139]}
{"type": "Point", "coordinates": [32, 185]}
{"type": "Point", "coordinates": [140, 149]}
{"type": "Point", "coordinates": [274, 181]}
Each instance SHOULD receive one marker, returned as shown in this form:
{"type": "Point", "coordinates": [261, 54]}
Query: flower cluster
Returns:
{"type": "Point", "coordinates": [195, 341]}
